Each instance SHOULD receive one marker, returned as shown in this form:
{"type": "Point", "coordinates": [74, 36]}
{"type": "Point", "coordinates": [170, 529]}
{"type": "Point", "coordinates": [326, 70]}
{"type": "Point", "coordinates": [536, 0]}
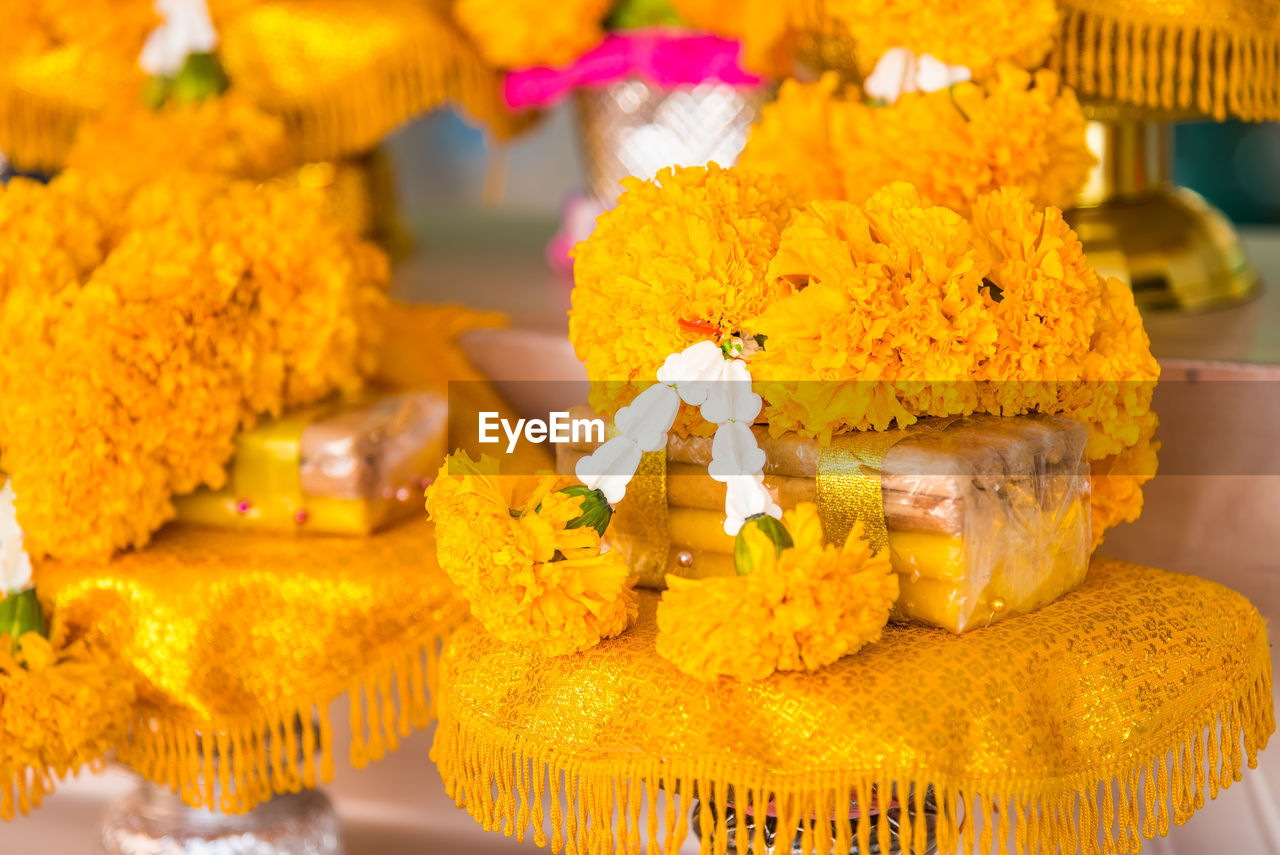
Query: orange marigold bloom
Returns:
{"type": "Point", "coordinates": [62, 705]}
{"type": "Point", "coordinates": [890, 321]}
{"type": "Point", "coordinates": [133, 375]}
{"type": "Point", "coordinates": [679, 259]}
{"type": "Point", "coordinates": [1016, 130]}
{"type": "Point", "coordinates": [227, 135]}
{"type": "Point", "coordinates": [524, 33]}
{"type": "Point", "coordinates": [530, 579]}
{"type": "Point", "coordinates": [799, 610]}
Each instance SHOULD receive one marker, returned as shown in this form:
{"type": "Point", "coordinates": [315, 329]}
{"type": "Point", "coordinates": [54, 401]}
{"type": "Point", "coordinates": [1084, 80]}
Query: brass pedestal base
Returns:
{"type": "Point", "coordinates": [1175, 250]}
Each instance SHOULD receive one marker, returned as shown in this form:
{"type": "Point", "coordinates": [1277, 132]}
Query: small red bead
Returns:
{"type": "Point", "coordinates": [300, 516]}
{"type": "Point", "coordinates": [243, 506]}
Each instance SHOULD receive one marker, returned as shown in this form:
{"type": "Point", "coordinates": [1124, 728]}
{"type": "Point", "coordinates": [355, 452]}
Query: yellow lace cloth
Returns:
{"type": "Point", "coordinates": [1051, 721]}
{"type": "Point", "coordinates": [341, 73]}
{"type": "Point", "coordinates": [238, 644]}
{"type": "Point", "coordinates": [1219, 58]}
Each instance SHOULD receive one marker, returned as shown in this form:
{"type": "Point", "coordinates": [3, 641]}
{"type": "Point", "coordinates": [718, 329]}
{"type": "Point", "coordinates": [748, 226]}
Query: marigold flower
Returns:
{"type": "Point", "coordinates": [798, 610]}
{"type": "Point", "coordinates": [890, 324]}
{"type": "Point", "coordinates": [227, 135]}
{"type": "Point", "coordinates": [505, 541]}
{"type": "Point", "coordinates": [1013, 130]}
{"type": "Point", "coordinates": [524, 33]}
{"type": "Point", "coordinates": [977, 35]}
{"type": "Point", "coordinates": [184, 310]}
{"type": "Point", "coordinates": [62, 705]}
{"type": "Point", "coordinates": [680, 259]}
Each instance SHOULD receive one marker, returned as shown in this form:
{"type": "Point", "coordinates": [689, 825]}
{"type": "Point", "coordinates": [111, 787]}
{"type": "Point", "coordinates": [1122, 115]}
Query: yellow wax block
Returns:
{"type": "Point", "coordinates": [926, 554]}
{"type": "Point", "coordinates": [699, 530]}
{"type": "Point", "coordinates": [340, 468]}
{"type": "Point", "coordinates": [1023, 578]}
{"type": "Point", "coordinates": [701, 565]}
{"type": "Point", "coordinates": [936, 602]}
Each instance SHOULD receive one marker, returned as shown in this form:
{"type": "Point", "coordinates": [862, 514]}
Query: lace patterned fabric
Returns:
{"type": "Point", "coordinates": [1054, 720]}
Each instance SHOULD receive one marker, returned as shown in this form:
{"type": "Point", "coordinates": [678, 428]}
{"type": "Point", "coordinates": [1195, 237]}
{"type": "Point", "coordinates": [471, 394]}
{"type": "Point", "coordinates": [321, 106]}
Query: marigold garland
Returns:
{"type": "Point", "coordinates": [978, 35]}
{"type": "Point", "coordinates": [878, 314]}
{"type": "Point", "coordinates": [530, 579]}
{"type": "Point", "coordinates": [182, 311]}
{"type": "Point", "coordinates": [525, 33]}
{"type": "Point", "coordinates": [799, 610]}
{"type": "Point", "coordinates": [679, 255]}
{"type": "Point", "coordinates": [227, 135]}
{"type": "Point", "coordinates": [1015, 130]}
{"type": "Point", "coordinates": [62, 706]}
{"type": "Point", "coordinates": [892, 295]}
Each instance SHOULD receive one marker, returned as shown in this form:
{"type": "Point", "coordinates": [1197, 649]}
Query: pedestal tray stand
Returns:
{"type": "Point", "coordinates": [1098, 720]}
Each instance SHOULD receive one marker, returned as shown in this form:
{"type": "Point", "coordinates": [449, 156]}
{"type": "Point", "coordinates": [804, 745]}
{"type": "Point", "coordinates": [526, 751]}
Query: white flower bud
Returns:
{"type": "Point", "coordinates": [745, 496]}
{"type": "Point", "coordinates": [649, 417]}
{"type": "Point", "coordinates": [610, 467]}
{"type": "Point", "coordinates": [693, 371]}
{"type": "Point", "coordinates": [731, 399]}
{"type": "Point", "coordinates": [734, 452]}
{"type": "Point", "coordinates": [15, 564]}
{"type": "Point", "coordinates": [900, 71]}
{"type": "Point", "coordinates": [186, 29]}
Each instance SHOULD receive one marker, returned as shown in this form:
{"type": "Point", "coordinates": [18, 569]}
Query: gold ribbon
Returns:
{"type": "Point", "coordinates": [849, 480]}
{"type": "Point", "coordinates": [849, 485]}
{"type": "Point", "coordinates": [639, 526]}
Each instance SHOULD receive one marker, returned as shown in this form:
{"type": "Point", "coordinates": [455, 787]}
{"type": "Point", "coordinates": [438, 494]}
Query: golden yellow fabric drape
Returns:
{"type": "Point", "coordinates": [1219, 58]}
{"type": "Point", "coordinates": [341, 73]}
{"type": "Point", "coordinates": [1053, 720]}
{"type": "Point", "coordinates": [238, 644]}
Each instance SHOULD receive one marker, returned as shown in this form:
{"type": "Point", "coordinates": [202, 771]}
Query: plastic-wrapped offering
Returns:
{"type": "Point", "coordinates": [984, 516]}
{"type": "Point", "coordinates": [342, 468]}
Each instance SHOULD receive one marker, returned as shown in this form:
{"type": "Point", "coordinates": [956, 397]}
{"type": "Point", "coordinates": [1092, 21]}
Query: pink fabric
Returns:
{"type": "Point", "coordinates": [663, 57]}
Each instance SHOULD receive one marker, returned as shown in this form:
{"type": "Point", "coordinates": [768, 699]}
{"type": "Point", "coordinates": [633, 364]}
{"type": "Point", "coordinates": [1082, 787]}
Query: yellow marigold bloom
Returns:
{"type": "Point", "coordinates": [62, 705]}
{"type": "Point", "coordinates": [524, 33]}
{"type": "Point", "coordinates": [1015, 130]}
{"type": "Point", "coordinates": [798, 610]}
{"type": "Point", "coordinates": [890, 322]}
{"type": "Point", "coordinates": [114, 28]}
{"type": "Point", "coordinates": [212, 302]}
{"type": "Point", "coordinates": [977, 35]}
{"type": "Point", "coordinates": [227, 135]}
{"type": "Point", "coordinates": [795, 138]}
{"type": "Point", "coordinates": [680, 259]}
{"type": "Point", "coordinates": [1116, 484]}
{"type": "Point", "coordinates": [530, 579]}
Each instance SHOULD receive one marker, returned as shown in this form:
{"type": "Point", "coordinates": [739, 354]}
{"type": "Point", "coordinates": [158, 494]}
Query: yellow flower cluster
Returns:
{"type": "Point", "coordinates": [62, 705]}
{"type": "Point", "coordinates": [227, 135]}
{"type": "Point", "coordinates": [978, 34]}
{"type": "Point", "coordinates": [148, 326]}
{"type": "Point", "coordinates": [1015, 130]}
{"type": "Point", "coordinates": [799, 610]}
{"type": "Point", "coordinates": [116, 28]}
{"type": "Point", "coordinates": [504, 540]}
{"type": "Point", "coordinates": [680, 258]}
{"type": "Point", "coordinates": [877, 314]}
{"type": "Point", "coordinates": [525, 33]}
{"type": "Point", "coordinates": [853, 34]}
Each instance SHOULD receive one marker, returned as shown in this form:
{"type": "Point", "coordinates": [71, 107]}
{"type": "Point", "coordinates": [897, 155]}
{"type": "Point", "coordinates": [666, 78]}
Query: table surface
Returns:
{"type": "Point", "coordinates": [399, 806]}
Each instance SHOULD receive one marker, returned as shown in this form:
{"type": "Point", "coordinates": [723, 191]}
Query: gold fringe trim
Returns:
{"type": "Point", "coordinates": [1178, 67]}
{"type": "Point", "coordinates": [235, 765]}
{"type": "Point", "coordinates": [604, 805]}
{"type": "Point", "coordinates": [24, 789]}
{"type": "Point", "coordinates": [36, 131]}
{"type": "Point", "coordinates": [399, 86]}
